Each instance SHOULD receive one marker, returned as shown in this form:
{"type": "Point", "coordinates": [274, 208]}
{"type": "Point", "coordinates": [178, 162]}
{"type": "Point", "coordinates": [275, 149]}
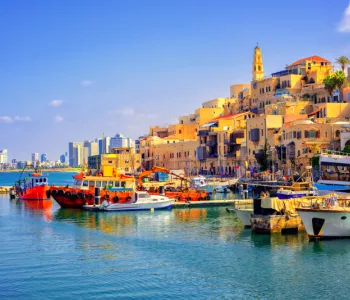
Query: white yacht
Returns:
{"type": "Point", "coordinates": [141, 200]}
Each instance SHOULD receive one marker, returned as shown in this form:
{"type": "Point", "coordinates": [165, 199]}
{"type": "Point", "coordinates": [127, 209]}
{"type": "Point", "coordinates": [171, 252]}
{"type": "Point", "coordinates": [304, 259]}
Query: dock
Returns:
{"type": "Point", "coordinates": [4, 189]}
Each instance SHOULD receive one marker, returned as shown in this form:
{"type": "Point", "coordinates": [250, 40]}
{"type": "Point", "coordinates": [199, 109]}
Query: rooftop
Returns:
{"type": "Point", "coordinates": [315, 58]}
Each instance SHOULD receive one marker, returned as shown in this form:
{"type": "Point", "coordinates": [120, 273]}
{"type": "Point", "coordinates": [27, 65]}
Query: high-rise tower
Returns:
{"type": "Point", "coordinates": [258, 66]}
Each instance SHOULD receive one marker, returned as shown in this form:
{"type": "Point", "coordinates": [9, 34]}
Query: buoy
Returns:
{"type": "Point", "coordinates": [152, 209]}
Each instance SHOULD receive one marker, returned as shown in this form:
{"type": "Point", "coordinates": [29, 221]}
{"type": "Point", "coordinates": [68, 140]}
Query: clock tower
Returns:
{"type": "Point", "coordinates": [258, 66]}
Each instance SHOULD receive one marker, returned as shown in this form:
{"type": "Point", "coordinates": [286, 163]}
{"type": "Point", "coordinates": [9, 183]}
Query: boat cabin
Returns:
{"type": "Point", "coordinates": [90, 182]}
{"type": "Point", "coordinates": [35, 179]}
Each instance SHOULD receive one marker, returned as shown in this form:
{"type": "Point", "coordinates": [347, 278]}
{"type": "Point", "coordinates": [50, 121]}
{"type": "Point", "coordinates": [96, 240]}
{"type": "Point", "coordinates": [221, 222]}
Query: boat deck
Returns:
{"type": "Point", "coordinates": [204, 203]}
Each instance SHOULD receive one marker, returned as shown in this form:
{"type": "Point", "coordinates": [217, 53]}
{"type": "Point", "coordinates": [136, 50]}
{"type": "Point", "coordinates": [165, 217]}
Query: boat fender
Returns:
{"type": "Point", "coordinates": [89, 196]}
{"type": "Point", "coordinates": [116, 199]}
{"type": "Point", "coordinates": [106, 197]}
{"type": "Point", "coordinates": [48, 194]}
{"type": "Point", "coordinates": [80, 195]}
{"type": "Point", "coordinates": [128, 198]}
{"type": "Point", "coordinates": [60, 193]}
{"type": "Point", "coordinates": [54, 193]}
{"type": "Point", "coordinates": [67, 194]}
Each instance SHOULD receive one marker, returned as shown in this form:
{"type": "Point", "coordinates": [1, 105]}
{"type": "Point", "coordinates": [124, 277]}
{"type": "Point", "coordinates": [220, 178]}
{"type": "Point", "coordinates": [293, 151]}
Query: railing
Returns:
{"type": "Point", "coordinates": [332, 152]}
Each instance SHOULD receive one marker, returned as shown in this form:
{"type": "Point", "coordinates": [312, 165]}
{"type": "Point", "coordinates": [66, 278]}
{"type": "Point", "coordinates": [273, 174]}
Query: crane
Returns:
{"type": "Point", "coordinates": [162, 170]}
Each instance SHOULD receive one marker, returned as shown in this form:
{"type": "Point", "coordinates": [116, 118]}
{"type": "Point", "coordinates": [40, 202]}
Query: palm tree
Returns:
{"type": "Point", "coordinates": [343, 61]}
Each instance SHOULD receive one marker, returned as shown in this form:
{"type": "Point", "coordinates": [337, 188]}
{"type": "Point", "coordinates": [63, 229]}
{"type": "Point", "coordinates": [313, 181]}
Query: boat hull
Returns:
{"type": "Point", "coordinates": [35, 193]}
{"type": "Point", "coordinates": [284, 196]}
{"type": "Point", "coordinates": [244, 216]}
{"type": "Point", "coordinates": [139, 206]}
{"type": "Point", "coordinates": [326, 223]}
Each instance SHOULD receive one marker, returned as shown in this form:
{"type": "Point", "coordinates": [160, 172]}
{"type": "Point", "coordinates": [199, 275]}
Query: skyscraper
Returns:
{"type": "Point", "coordinates": [43, 157]}
{"type": "Point", "coordinates": [3, 156]}
{"type": "Point", "coordinates": [35, 157]}
{"type": "Point", "coordinates": [75, 150]}
{"type": "Point", "coordinates": [120, 141]}
{"type": "Point", "coordinates": [62, 158]}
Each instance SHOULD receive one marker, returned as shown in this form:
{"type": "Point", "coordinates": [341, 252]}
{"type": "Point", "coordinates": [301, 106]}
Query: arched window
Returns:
{"type": "Point", "coordinates": [337, 133]}
{"type": "Point", "coordinates": [259, 68]}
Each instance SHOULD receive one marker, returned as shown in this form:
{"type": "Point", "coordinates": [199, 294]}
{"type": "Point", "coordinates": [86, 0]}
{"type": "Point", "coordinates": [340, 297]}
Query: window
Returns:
{"type": "Point", "coordinates": [110, 162]}
{"type": "Point", "coordinates": [123, 184]}
{"type": "Point", "coordinates": [78, 183]}
{"type": "Point", "coordinates": [98, 183]}
{"type": "Point", "coordinates": [91, 183]}
{"type": "Point", "coordinates": [85, 183]}
{"type": "Point", "coordinates": [117, 184]}
{"type": "Point", "coordinates": [110, 183]}
{"type": "Point", "coordinates": [262, 132]}
{"type": "Point", "coordinates": [180, 131]}
{"type": "Point", "coordinates": [104, 183]}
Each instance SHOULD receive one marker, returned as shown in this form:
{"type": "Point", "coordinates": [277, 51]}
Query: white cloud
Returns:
{"type": "Point", "coordinates": [58, 119]}
{"type": "Point", "coordinates": [344, 25]}
{"type": "Point", "coordinates": [86, 83]}
{"type": "Point", "coordinates": [126, 111]}
{"type": "Point", "coordinates": [5, 119]}
{"type": "Point", "coordinates": [55, 103]}
{"type": "Point", "coordinates": [131, 112]}
{"type": "Point", "coordinates": [24, 119]}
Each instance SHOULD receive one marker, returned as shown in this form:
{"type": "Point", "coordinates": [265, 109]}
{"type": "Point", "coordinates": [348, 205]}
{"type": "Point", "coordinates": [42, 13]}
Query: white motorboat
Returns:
{"type": "Point", "coordinates": [200, 182]}
{"type": "Point", "coordinates": [328, 217]}
{"type": "Point", "coordinates": [243, 209]}
{"type": "Point", "coordinates": [141, 200]}
{"type": "Point", "coordinates": [244, 215]}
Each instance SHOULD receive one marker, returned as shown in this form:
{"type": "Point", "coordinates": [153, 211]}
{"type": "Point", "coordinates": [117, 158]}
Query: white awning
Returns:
{"type": "Point", "coordinates": [210, 124]}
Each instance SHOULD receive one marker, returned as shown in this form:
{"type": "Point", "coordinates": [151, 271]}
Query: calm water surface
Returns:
{"type": "Point", "coordinates": [48, 252]}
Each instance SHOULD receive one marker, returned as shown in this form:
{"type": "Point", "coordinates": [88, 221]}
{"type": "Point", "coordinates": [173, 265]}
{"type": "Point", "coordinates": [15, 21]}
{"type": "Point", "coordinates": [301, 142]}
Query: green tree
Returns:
{"type": "Point", "coordinates": [346, 149]}
{"type": "Point", "coordinates": [333, 81]}
{"type": "Point", "coordinates": [343, 61]}
{"type": "Point", "coordinates": [263, 159]}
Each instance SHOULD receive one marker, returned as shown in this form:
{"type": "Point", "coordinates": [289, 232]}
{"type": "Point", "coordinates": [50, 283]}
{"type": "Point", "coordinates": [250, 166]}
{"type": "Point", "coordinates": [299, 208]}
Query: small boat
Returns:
{"type": "Point", "coordinates": [200, 182]}
{"type": "Point", "coordinates": [32, 187]}
{"type": "Point", "coordinates": [141, 200]}
{"type": "Point", "coordinates": [327, 217]}
{"type": "Point", "coordinates": [244, 210]}
{"type": "Point", "coordinates": [299, 188]}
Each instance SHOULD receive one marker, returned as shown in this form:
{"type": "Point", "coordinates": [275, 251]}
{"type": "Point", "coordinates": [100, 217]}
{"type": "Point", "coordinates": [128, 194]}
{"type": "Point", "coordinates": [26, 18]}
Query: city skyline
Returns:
{"type": "Point", "coordinates": [113, 75]}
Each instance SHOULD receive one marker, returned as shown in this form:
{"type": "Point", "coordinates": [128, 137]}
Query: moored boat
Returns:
{"type": "Point", "coordinates": [141, 200]}
{"type": "Point", "coordinates": [327, 217]}
{"type": "Point", "coordinates": [335, 173]}
{"type": "Point", "coordinates": [32, 187]}
{"type": "Point", "coordinates": [117, 188]}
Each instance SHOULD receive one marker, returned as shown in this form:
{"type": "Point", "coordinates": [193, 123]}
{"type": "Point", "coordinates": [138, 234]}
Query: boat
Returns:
{"type": "Point", "coordinates": [141, 200]}
{"type": "Point", "coordinates": [335, 173]}
{"type": "Point", "coordinates": [187, 191]}
{"type": "Point", "coordinates": [299, 188]}
{"type": "Point", "coordinates": [114, 188]}
{"type": "Point", "coordinates": [200, 182]}
{"type": "Point", "coordinates": [32, 187]}
{"type": "Point", "coordinates": [243, 209]}
{"type": "Point", "coordinates": [327, 217]}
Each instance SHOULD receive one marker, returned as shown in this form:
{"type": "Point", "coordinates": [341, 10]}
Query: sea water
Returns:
{"type": "Point", "coordinates": [51, 253]}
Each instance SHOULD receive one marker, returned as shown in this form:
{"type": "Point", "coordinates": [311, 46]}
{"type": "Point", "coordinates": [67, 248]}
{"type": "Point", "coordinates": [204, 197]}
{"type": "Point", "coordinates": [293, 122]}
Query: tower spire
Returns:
{"type": "Point", "coordinates": [258, 65]}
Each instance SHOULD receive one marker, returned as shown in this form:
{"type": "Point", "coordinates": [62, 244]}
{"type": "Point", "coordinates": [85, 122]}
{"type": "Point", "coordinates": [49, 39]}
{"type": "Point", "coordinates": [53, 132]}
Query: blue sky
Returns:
{"type": "Point", "coordinates": [73, 70]}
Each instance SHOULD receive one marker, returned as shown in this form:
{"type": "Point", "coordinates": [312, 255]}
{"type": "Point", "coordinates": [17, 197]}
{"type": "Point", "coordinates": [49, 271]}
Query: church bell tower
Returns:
{"type": "Point", "coordinates": [258, 66]}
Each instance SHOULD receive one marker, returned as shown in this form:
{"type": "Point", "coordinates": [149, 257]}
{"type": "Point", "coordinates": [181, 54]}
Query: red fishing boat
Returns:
{"type": "Point", "coordinates": [32, 187]}
{"type": "Point", "coordinates": [115, 188]}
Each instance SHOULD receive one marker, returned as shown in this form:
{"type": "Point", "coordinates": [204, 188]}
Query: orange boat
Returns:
{"type": "Point", "coordinates": [116, 188]}
{"type": "Point", "coordinates": [179, 194]}
{"type": "Point", "coordinates": [33, 187]}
